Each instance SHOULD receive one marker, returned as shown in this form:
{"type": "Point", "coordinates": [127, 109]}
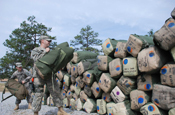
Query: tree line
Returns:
{"type": "Point", "coordinates": [25, 38]}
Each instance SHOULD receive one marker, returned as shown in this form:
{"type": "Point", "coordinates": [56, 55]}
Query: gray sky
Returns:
{"type": "Point", "coordinates": [110, 18]}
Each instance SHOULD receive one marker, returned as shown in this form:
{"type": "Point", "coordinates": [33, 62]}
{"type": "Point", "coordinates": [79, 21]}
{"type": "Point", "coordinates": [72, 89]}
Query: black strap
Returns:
{"type": "Point", "coordinates": [5, 98]}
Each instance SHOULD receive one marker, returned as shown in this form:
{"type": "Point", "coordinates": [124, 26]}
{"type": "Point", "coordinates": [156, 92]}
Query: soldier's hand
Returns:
{"type": "Point", "coordinates": [47, 49]}
{"type": "Point", "coordinates": [23, 82]}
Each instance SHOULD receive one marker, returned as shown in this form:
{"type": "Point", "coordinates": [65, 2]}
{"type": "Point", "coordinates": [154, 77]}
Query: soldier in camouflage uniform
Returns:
{"type": "Point", "coordinates": [23, 77]}
{"type": "Point", "coordinates": [36, 54]}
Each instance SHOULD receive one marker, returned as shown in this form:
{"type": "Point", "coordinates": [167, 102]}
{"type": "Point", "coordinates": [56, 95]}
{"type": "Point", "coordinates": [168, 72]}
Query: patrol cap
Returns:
{"type": "Point", "coordinates": [43, 37]}
{"type": "Point", "coordinates": [18, 64]}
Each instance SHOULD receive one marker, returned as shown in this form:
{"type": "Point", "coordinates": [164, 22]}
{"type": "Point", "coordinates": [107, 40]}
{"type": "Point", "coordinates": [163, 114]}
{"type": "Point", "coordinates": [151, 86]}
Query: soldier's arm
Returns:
{"type": "Point", "coordinates": [37, 53]}
{"type": "Point", "coordinates": [13, 76]}
{"type": "Point", "coordinates": [28, 76]}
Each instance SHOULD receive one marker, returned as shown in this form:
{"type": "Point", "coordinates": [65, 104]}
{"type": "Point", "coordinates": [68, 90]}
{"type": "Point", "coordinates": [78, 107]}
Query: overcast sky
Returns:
{"type": "Point", "coordinates": [110, 18]}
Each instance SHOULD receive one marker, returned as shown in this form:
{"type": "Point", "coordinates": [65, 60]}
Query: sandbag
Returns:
{"type": "Point", "coordinates": [83, 96]}
{"type": "Point", "coordinates": [85, 65]}
{"type": "Point", "coordinates": [163, 96]}
{"type": "Point", "coordinates": [137, 42]}
{"type": "Point", "coordinates": [101, 106]}
{"type": "Point", "coordinates": [109, 107]}
{"type": "Point", "coordinates": [126, 84]}
{"type": "Point", "coordinates": [82, 55]}
{"type": "Point", "coordinates": [54, 60]}
{"type": "Point", "coordinates": [79, 104]}
{"type": "Point", "coordinates": [72, 104]}
{"type": "Point", "coordinates": [130, 68]}
{"type": "Point", "coordinates": [139, 98]}
{"type": "Point", "coordinates": [80, 82]}
{"type": "Point", "coordinates": [60, 74]}
{"type": "Point", "coordinates": [116, 68]}
{"type": "Point", "coordinates": [145, 81]}
{"type": "Point", "coordinates": [165, 36]}
{"type": "Point", "coordinates": [150, 109]}
{"type": "Point", "coordinates": [151, 59]}
{"type": "Point", "coordinates": [15, 88]}
{"type": "Point", "coordinates": [173, 14]}
{"type": "Point", "coordinates": [103, 62]}
{"type": "Point", "coordinates": [108, 47]}
{"type": "Point", "coordinates": [123, 108]}
{"type": "Point", "coordinates": [167, 74]}
{"type": "Point", "coordinates": [66, 80]}
{"type": "Point", "coordinates": [88, 91]}
{"type": "Point", "coordinates": [120, 51]}
{"type": "Point", "coordinates": [106, 97]}
{"type": "Point", "coordinates": [68, 67]}
{"type": "Point", "coordinates": [96, 90]}
{"type": "Point", "coordinates": [90, 106]}
{"type": "Point", "coordinates": [106, 83]}
{"type": "Point", "coordinates": [117, 95]}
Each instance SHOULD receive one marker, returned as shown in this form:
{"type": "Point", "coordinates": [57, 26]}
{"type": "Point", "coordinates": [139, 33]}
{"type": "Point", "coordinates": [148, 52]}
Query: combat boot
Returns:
{"type": "Point", "coordinates": [29, 106]}
{"type": "Point", "coordinates": [35, 113]}
{"type": "Point", "coordinates": [62, 112]}
{"type": "Point", "coordinates": [17, 107]}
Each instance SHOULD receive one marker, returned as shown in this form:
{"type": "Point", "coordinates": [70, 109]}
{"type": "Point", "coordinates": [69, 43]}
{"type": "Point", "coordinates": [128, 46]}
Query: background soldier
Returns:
{"type": "Point", "coordinates": [23, 77]}
{"type": "Point", "coordinates": [36, 54]}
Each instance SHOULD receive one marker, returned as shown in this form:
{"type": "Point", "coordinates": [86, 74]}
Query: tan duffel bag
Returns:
{"type": "Point", "coordinates": [77, 89]}
{"type": "Point", "coordinates": [65, 103]}
{"type": "Point", "coordinates": [66, 80]}
{"type": "Point", "coordinates": [88, 91]}
{"type": "Point", "coordinates": [130, 68]}
{"type": "Point", "coordinates": [163, 96]}
{"type": "Point", "coordinates": [165, 36]}
{"type": "Point", "coordinates": [106, 97]}
{"type": "Point", "coordinates": [68, 67]}
{"type": "Point", "coordinates": [90, 106]}
{"type": "Point", "coordinates": [167, 74]}
{"type": "Point", "coordinates": [145, 81]}
{"type": "Point", "coordinates": [64, 94]}
{"type": "Point", "coordinates": [79, 104]}
{"type": "Point", "coordinates": [120, 50]}
{"type": "Point", "coordinates": [127, 84]}
{"type": "Point", "coordinates": [69, 94]}
{"type": "Point", "coordinates": [106, 83]}
{"type": "Point", "coordinates": [151, 109]}
{"type": "Point", "coordinates": [80, 82]}
{"type": "Point", "coordinates": [151, 59]}
{"type": "Point", "coordinates": [72, 104]}
{"type": "Point", "coordinates": [109, 107]}
{"type": "Point", "coordinates": [74, 70]}
{"type": "Point", "coordinates": [96, 90]}
{"type": "Point", "coordinates": [65, 87]}
{"type": "Point", "coordinates": [101, 106]}
{"type": "Point", "coordinates": [72, 87]}
{"type": "Point", "coordinates": [88, 77]}
{"type": "Point", "coordinates": [123, 108]}
{"type": "Point", "coordinates": [116, 68]}
{"type": "Point", "coordinates": [171, 111]}
{"type": "Point", "coordinates": [103, 62]}
{"type": "Point", "coordinates": [83, 96]}
{"type": "Point", "coordinates": [60, 74]}
{"type": "Point", "coordinates": [136, 43]}
{"type": "Point", "coordinates": [73, 79]}
{"type": "Point", "coordinates": [75, 96]}
{"type": "Point", "coordinates": [117, 95]}
{"type": "Point", "coordinates": [139, 98]}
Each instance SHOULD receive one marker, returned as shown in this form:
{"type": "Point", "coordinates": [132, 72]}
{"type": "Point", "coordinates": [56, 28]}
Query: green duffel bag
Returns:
{"type": "Point", "coordinates": [173, 13]}
{"type": "Point", "coordinates": [82, 55]}
{"type": "Point", "coordinates": [136, 43]}
{"type": "Point", "coordinates": [165, 36]}
{"type": "Point", "coordinates": [16, 89]}
{"type": "Point", "coordinates": [54, 60]}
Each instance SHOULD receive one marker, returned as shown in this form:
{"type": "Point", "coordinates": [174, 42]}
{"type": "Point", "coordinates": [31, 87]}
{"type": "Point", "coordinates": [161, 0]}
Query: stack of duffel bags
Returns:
{"type": "Point", "coordinates": [134, 76]}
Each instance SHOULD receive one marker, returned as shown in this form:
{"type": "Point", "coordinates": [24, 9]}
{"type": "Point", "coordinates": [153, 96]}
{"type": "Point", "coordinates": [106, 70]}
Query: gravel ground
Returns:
{"type": "Point", "coordinates": [7, 106]}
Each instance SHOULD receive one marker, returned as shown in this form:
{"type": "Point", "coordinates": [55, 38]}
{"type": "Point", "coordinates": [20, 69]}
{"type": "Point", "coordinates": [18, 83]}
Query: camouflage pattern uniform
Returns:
{"type": "Point", "coordinates": [24, 75]}
{"type": "Point", "coordinates": [36, 54]}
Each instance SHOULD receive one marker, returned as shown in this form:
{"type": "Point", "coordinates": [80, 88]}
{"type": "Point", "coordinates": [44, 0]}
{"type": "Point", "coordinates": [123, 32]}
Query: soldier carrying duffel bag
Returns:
{"type": "Point", "coordinates": [20, 89]}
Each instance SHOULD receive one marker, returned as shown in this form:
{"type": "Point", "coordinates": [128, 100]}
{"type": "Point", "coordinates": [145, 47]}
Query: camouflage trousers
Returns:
{"type": "Point", "coordinates": [52, 87]}
{"type": "Point", "coordinates": [29, 98]}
